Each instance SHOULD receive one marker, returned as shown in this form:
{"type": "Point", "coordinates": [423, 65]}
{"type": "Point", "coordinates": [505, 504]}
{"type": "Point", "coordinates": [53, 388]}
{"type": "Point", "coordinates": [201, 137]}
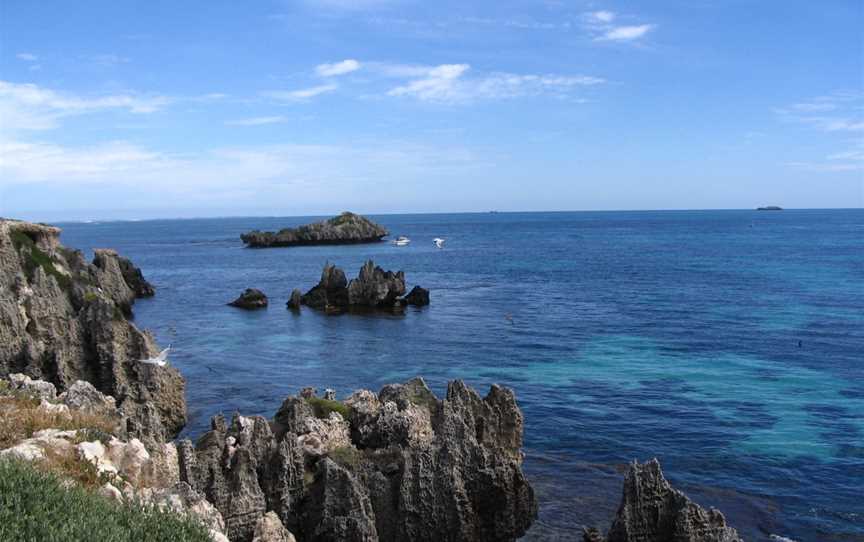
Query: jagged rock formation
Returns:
{"type": "Point", "coordinates": [373, 288]}
{"type": "Point", "coordinates": [400, 465]}
{"type": "Point", "coordinates": [250, 299]}
{"type": "Point", "coordinates": [63, 319]}
{"type": "Point", "coordinates": [296, 299]}
{"type": "Point", "coordinates": [344, 229]}
{"type": "Point", "coordinates": [653, 511]}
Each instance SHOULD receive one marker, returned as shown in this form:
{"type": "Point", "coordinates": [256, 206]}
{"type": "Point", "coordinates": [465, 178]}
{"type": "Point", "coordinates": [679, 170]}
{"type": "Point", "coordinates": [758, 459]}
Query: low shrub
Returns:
{"type": "Point", "coordinates": [36, 505]}
{"type": "Point", "coordinates": [323, 407]}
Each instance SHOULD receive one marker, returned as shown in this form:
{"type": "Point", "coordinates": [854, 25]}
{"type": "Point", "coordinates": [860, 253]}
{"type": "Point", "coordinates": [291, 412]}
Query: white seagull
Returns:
{"type": "Point", "coordinates": [161, 360]}
{"type": "Point", "coordinates": [438, 242]}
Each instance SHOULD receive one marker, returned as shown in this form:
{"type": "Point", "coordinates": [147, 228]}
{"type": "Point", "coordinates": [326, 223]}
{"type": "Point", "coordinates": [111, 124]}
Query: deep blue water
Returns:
{"type": "Point", "coordinates": [633, 335]}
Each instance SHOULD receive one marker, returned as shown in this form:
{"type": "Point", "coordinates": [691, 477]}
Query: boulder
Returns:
{"type": "Point", "coordinates": [37, 388]}
{"type": "Point", "coordinates": [417, 296]}
{"type": "Point", "coordinates": [347, 228]}
{"type": "Point", "coordinates": [270, 529]}
{"type": "Point", "coordinates": [250, 299]}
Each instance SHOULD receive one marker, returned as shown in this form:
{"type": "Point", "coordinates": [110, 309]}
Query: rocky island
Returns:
{"type": "Point", "coordinates": [77, 399]}
{"type": "Point", "coordinates": [345, 229]}
{"type": "Point", "coordinates": [373, 289]}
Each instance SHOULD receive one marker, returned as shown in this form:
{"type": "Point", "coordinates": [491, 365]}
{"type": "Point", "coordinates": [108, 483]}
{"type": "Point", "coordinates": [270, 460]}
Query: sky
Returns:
{"type": "Point", "coordinates": [131, 110]}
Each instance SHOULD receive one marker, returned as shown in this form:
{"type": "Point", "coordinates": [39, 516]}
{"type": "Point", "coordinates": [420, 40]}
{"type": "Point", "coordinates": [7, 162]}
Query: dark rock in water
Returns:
{"type": "Point", "coordinates": [296, 299]}
{"type": "Point", "coordinates": [417, 296]}
{"type": "Point", "coordinates": [373, 288]}
{"type": "Point", "coordinates": [331, 293]}
{"type": "Point", "coordinates": [653, 511]}
{"type": "Point", "coordinates": [250, 299]}
{"type": "Point", "coordinates": [404, 465]}
{"type": "Point", "coordinates": [344, 229]}
{"type": "Point", "coordinates": [64, 320]}
{"type": "Point", "coordinates": [592, 534]}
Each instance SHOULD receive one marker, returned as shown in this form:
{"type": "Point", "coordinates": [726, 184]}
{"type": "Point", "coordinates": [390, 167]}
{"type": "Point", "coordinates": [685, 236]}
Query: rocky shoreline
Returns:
{"type": "Point", "coordinates": [345, 229]}
{"type": "Point", "coordinates": [401, 464]}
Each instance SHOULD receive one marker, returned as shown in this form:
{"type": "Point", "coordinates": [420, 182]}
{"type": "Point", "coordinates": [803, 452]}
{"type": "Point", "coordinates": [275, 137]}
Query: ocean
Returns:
{"type": "Point", "coordinates": [728, 344]}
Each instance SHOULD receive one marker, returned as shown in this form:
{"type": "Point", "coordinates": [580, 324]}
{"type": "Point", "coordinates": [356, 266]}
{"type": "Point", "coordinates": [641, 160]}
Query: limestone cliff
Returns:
{"type": "Point", "coordinates": [63, 319]}
{"type": "Point", "coordinates": [399, 465]}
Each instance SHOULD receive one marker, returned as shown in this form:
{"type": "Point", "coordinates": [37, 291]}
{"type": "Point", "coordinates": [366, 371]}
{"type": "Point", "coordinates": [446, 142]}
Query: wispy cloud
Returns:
{"type": "Point", "coordinates": [448, 83]}
{"type": "Point", "coordinates": [257, 121]}
{"type": "Point", "coordinates": [625, 33]}
{"type": "Point", "coordinates": [300, 95]}
{"type": "Point", "coordinates": [337, 68]}
{"type": "Point", "coordinates": [838, 112]}
{"type": "Point", "coordinates": [601, 16]}
{"type": "Point", "coordinates": [31, 107]}
{"type": "Point", "coordinates": [27, 57]}
{"type": "Point", "coordinates": [601, 25]}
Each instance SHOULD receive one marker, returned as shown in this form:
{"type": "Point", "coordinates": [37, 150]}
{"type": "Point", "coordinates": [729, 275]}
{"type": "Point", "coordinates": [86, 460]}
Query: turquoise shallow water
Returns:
{"type": "Point", "coordinates": [633, 335]}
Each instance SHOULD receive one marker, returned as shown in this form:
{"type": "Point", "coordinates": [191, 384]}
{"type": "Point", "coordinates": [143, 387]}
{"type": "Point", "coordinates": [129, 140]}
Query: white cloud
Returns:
{"type": "Point", "coordinates": [446, 84]}
{"type": "Point", "coordinates": [337, 68]}
{"type": "Point", "coordinates": [301, 94]}
{"type": "Point", "coordinates": [625, 33]}
{"type": "Point", "coordinates": [257, 121]}
{"type": "Point", "coordinates": [837, 112]}
{"type": "Point", "coordinates": [34, 162]}
{"type": "Point", "coordinates": [27, 57]}
{"type": "Point", "coordinates": [601, 16]}
{"type": "Point", "coordinates": [26, 106]}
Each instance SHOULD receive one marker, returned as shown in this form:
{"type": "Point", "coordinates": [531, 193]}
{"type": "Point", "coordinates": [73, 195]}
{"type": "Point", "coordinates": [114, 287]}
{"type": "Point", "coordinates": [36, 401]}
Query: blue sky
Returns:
{"type": "Point", "coordinates": [160, 109]}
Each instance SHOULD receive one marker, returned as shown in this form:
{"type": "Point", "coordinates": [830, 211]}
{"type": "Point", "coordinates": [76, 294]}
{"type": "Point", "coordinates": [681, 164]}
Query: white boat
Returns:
{"type": "Point", "coordinates": [439, 242]}
{"type": "Point", "coordinates": [401, 241]}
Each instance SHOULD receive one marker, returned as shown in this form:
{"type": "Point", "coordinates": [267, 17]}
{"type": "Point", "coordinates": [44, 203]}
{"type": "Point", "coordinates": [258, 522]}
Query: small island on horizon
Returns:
{"type": "Point", "coordinates": [770, 208]}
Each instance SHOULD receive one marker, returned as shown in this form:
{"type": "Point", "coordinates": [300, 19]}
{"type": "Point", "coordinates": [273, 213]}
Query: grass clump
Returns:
{"type": "Point", "coordinates": [34, 258]}
{"type": "Point", "coordinates": [21, 417]}
{"type": "Point", "coordinates": [36, 505]}
{"type": "Point", "coordinates": [323, 407]}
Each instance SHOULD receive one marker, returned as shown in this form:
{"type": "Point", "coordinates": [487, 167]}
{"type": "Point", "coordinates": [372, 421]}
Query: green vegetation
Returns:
{"type": "Point", "coordinates": [90, 297]}
{"type": "Point", "coordinates": [36, 505]}
{"type": "Point", "coordinates": [344, 218]}
{"type": "Point", "coordinates": [34, 258]}
{"type": "Point", "coordinates": [323, 407]}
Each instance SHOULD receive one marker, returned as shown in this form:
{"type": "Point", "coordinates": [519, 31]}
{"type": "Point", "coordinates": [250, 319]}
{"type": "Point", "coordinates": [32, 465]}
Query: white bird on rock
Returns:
{"type": "Point", "coordinates": [161, 360]}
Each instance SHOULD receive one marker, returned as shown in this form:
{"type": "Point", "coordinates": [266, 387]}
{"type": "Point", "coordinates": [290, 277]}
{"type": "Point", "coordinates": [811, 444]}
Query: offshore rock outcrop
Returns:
{"type": "Point", "coordinates": [399, 465]}
{"type": "Point", "coordinates": [63, 319]}
{"type": "Point", "coordinates": [344, 229]}
{"type": "Point", "coordinates": [250, 299]}
{"type": "Point", "coordinates": [374, 288]}
{"type": "Point", "coordinates": [651, 510]}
